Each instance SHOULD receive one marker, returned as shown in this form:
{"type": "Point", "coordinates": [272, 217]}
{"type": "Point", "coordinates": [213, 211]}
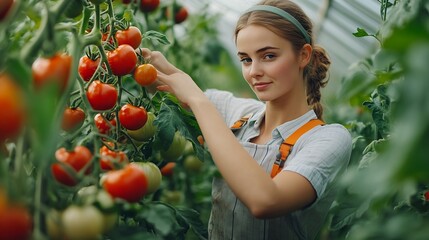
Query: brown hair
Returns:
{"type": "Point", "coordinates": [315, 72]}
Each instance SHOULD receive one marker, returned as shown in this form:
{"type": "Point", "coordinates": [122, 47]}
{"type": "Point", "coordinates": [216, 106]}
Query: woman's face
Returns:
{"type": "Point", "coordinates": [269, 64]}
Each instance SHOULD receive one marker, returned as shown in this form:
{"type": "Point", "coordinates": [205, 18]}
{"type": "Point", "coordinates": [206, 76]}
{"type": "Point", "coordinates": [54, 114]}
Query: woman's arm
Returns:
{"type": "Point", "coordinates": [265, 197]}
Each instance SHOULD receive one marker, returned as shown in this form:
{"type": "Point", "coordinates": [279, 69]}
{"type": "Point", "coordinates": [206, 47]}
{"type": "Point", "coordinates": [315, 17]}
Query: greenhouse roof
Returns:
{"type": "Point", "coordinates": [334, 22]}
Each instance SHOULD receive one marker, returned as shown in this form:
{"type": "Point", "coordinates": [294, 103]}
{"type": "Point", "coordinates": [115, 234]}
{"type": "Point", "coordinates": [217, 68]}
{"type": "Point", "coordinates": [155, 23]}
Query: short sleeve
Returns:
{"type": "Point", "coordinates": [321, 156]}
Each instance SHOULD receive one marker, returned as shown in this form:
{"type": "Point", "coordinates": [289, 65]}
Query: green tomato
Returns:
{"type": "Point", "coordinates": [146, 132]}
{"type": "Point", "coordinates": [176, 149]}
{"type": "Point", "coordinates": [153, 174]}
{"type": "Point", "coordinates": [82, 222]}
{"type": "Point", "coordinates": [192, 163]}
{"type": "Point", "coordinates": [173, 197]}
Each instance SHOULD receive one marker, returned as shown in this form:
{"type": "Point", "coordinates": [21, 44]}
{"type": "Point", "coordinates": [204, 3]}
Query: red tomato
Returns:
{"type": "Point", "coordinates": [15, 223]}
{"type": "Point", "coordinates": [131, 36]}
{"type": "Point", "coordinates": [168, 169]}
{"type": "Point", "coordinates": [76, 159]}
{"type": "Point", "coordinates": [102, 125]}
{"type": "Point", "coordinates": [55, 69]}
{"type": "Point", "coordinates": [110, 160]}
{"type": "Point", "coordinates": [145, 74]}
{"type": "Point", "coordinates": [132, 117]}
{"type": "Point", "coordinates": [5, 6]}
{"type": "Point", "coordinates": [101, 96]}
{"type": "Point", "coordinates": [73, 119]}
{"type": "Point", "coordinates": [129, 183]}
{"type": "Point", "coordinates": [181, 15]}
{"type": "Point", "coordinates": [427, 195]}
{"type": "Point", "coordinates": [12, 114]}
{"type": "Point", "coordinates": [126, 1]}
{"type": "Point", "coordinates": [122, 60]}
{"type": "Point", "coordinates": [149, 5]}
{"type": "Point", "coordinates": [87, 67]}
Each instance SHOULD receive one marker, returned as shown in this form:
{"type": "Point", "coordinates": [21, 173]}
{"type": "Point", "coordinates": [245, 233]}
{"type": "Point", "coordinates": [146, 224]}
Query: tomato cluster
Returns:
{"type": "Point", "coordinates": [70, 163]}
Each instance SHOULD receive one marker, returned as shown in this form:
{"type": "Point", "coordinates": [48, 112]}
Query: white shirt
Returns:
{"type": "Point", "coordinates": [320, 155]}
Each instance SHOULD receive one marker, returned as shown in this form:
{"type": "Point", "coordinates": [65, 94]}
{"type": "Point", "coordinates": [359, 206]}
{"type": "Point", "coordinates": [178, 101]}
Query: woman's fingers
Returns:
{"type": "Point", "coordinates": [158, 60]}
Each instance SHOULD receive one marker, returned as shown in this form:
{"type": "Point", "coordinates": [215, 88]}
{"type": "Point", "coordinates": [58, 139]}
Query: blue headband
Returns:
{"type": "Point", "coordinates": [283, 14]}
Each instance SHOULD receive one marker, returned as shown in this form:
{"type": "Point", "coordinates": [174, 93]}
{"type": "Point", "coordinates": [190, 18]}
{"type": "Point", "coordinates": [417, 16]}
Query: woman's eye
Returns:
{"type": "Point", "coordinates": [245, 60]}
{"type": "Point", "coordinates": [269, 56]}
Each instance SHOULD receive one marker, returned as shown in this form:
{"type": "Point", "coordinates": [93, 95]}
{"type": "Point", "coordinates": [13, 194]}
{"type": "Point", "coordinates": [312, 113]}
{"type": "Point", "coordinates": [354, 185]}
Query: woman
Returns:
{"type": "Point", "coordinates": [286, 71]}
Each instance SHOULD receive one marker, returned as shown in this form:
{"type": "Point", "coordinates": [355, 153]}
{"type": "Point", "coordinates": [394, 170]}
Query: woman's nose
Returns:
{"type": "Point", "coordinates": [255, 69]}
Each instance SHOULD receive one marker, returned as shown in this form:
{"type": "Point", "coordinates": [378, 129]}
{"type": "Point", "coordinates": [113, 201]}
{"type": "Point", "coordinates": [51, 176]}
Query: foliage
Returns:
{"type": "Point", "coordinates": [383, 194]}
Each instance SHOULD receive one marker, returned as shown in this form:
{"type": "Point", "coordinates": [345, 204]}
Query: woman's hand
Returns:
{"type": "Point", "coordinates": [172, 79]}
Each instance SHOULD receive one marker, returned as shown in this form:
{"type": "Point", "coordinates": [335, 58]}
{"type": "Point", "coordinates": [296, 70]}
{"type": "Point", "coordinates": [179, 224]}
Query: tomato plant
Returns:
{"type": "Point", "coordinates": [129, 183]}
{"type": "Point", "coordinates": [176, 149]}
{"type": "Point", "coordinates": [15, 223]}
{"type": "Point", "coordinates": [153, 174]}
{"type": "Point", "coordinates": [131, 36]}
{"type": "Point", "coordinates": [102, 96]}
{"type": "Point", "coordinates": [54, 69]}
{"type": "Point", "coordinates": [73, 119]}
{"type": "Point", "coordinates": [5, 6]}
{"type": "Point", "coordinates": [149, 5]}
{"type": "Point", "coordinates": [122, 60]}
{"type": "Point", "coordinates": [12, 115]}
{"type": "Point", "coordinates": [74, 160]}
{"type": "Point", "coordinates": [110, 159]}
{"type": "Point", "coordinates": [87, 67]}
{"type": "Point", "coordinates": [145, 74]}
{"type": "Point", "coordinates": [146, 132]}
{"type": "Point", "coordinates": [102, 125]}
{"type": "Point", "coordinates": [168, 169]}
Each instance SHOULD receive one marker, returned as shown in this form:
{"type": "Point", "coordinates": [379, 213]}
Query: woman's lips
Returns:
{"type": "Point", "coordinates": [261, 86]}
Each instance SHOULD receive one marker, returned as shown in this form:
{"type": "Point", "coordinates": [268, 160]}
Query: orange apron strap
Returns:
{"type": "Point", "coordinates": [287, 144]}
{"type": "Point", "coordinates": [240, 122]}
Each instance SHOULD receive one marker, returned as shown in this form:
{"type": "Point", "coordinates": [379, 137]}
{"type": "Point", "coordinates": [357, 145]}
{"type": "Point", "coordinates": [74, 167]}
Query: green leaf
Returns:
{"type": "Point", "coordinates": [157, 36]}
{"type": "Point", "coordinates": [360, 32]}
{"type": "Point", "coordinates": [192, 218]}
{"type": "Point", "coordinates": [161, 217]}
{"type": "Point", "coordinates": [171, 118]}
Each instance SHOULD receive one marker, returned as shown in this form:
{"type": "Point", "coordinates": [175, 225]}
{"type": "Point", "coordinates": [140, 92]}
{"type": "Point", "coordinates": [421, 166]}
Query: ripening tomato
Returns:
{"type": "Point", "coordinates": [131, 36]}
{"type": "Point", "coordinates": [132, 117]}
{"type": "Point", "coordinates": [426, 194]}
{"type": "Point", "coordinates": [15, 223]}
{"type": "Point", "coordinates": [5, 6]}
{"type": "Point", "coordinates": [129, 183]}
{"type": "Point", "coordinates": [146, 132]}
{"type": "Point", "coordinates": [76, 159]}
{"type": "Point", "coordinates": [181, 15]}
{"type": "Point", "coordinates": [176, 149]}
{"type": "Point", "coordinates": [87, 67]}
{"type": "Point", "coordinates": [12, 114]}
{"type": "Point", "coordinates": [54, 69]}
{"type": "Point", "coordinates": [145, 74]}
{"type": "Point", "coordinates": [102, 125]}
{"type": "Point", "coordinates": [168, 169]}
{"type": "Point", "coordinates": [122, 60]}
{"type": "Point", "coordinates": [110, 159]}
{"type": "Point", "coordinates": [73, 119]}
{"type": "Point", "coordinates": [153, 174]}
{"type": "Point", "coordinates": [101, 96]}
{"type": "Point", "coordinates": [149, 5]}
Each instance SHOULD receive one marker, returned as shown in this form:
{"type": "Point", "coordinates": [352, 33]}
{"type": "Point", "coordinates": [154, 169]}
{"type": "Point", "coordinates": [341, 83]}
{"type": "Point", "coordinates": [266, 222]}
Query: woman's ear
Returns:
{"type": "Point", "coordinates": [305, 55]}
